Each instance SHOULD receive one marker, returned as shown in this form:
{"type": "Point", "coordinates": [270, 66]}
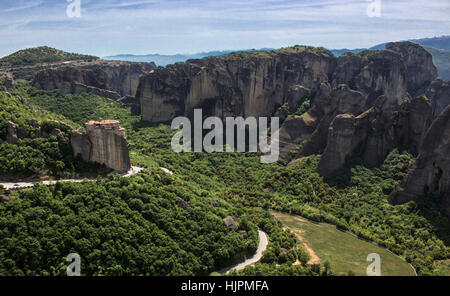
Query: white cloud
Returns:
{"type": "Point", "coordinates": [170, 26]}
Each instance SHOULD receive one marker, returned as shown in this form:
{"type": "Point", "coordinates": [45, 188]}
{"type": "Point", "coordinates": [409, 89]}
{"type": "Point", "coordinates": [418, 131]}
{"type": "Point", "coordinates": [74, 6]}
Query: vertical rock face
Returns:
{"type": "Point", "coordinates": [296, 95]}
{"type": "Point", "coordinates": [339, 144]}
{"type": "Point", "coordinates": [373, 86]}
{"type": "Point", "coordinates": [327, 105]}
{"type": "Point", "coordinates": [412, 123]}
{"type": "Point", "coordinates": [439, 94]}
{"type": "Point", "coordinates": [239, 84]}
{"type": "Point", "coordinates": [431, 172]}
{"type": "Point", "coordinates": [373, 73]}
{"type": "Point", "coordinates": [11, 133]}
{"type": "Point", "coordinates": [122, 78]}
{"type": "Point", "coordinates": [374, 133]}
{"type": "Point", "coordinates": [104, 143]}
{"type": "Point", "coordinates": [81, 145]}
{"type": "Point", "coordinates": [420, 70]}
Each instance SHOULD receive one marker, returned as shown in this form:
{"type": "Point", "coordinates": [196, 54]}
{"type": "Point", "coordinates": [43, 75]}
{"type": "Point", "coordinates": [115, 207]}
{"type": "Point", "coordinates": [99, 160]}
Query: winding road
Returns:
{"type": "Point", "coordinates": [263, 242]}
{"type": "Point", "coordinates": [20, 185]}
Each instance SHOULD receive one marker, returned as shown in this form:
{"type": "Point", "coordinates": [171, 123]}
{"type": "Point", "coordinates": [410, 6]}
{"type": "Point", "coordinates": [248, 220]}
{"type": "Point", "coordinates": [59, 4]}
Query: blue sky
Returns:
{"type": "Point", "coordinates": [109, 27]}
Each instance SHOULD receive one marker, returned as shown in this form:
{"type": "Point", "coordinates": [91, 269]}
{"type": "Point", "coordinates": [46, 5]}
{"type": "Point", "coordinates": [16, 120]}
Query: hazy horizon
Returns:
{"type": "Point", "coordinates": [141, 27]}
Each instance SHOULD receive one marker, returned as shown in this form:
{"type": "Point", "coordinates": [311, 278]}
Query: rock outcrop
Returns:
{"type": "Point", "coordinates": [230, 222]}
{"type": "Point", "coordinates": [373, 86]}
{"type": "Point", "coordinates": [7, 81]}
{"type": "Point", "coordinates": [420, 70]}
{"type": "Point", "coordinates": [373, 73]}
{"type": "Point", "coordinates": [374, 133]}
{"type": "Point", "coordinates": [103, 143]}
{"type": "Point", "coordinates": [239, 84]}
{"type": "Point", "coordinates": [412, 123]}
{"type": "Point", "coordinates": [327, 105]}
{"type": "Point", "coordinates": [110, 79]}
{"type": "Point", "coordinates": [340, 144]}
{"type": "Point", "coordinates": [14, 132]}
{"type": "Point", "coordinates": [430, 175]}
{"type": "Point", "coordinates": [439, 95]}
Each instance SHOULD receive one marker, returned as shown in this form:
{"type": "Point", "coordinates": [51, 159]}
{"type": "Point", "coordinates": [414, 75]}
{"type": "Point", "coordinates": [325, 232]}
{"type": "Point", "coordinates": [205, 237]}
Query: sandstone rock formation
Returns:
{"type": "Point", "coordinates": [103, 143]}
{"type": "Point", "coordinates": [412, 123]}
{"type": "Point", "coordinates": [373, 73]}
{"type": "Point", "coordinates": [327, 105]}
{"type": "Point", "coordinates": [277, 82]}
{"type": "Point", "coordinates": [374, 133]}
{"type": "Point", "coordinates": [420, 70]}
{"type": "Point", "coordinates": [110, 79]}
{"type": "Point", "coordinates": [239, 84]}
{"type": "Point", "coordinates": [430, 174]}
{"type": "Point", "coordinates": [340, 144]}
{"type": "Point", "coordinates": [376, 81]}
{"type": "Point", "coordinates": [439, 94]}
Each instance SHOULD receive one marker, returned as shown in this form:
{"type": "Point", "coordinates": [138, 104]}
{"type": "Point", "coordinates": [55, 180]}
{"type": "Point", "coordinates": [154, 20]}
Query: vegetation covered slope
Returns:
{"type": "Point", "coordinates": [43, 54]}
{"type": "Point", "coordinates": [135, 226]}
{"type": "Point", "coordinates": [119, 226]}
{"type": "Point", "coordinates": [37, 155]}
{"type": "Point", "coordinates": [355, 199]}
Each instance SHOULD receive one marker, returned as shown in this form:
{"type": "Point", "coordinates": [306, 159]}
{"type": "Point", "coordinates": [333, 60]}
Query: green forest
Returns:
{"type": "Point", "coordinates": [135, 226]}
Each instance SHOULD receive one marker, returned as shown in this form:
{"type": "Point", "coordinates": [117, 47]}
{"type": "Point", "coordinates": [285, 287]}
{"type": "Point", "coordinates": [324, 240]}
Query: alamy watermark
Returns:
{"type": "Point", "coordinates": [73, 9]}
{"type": "Point", "coordinates": [374, 268]}
{"type": "Point", "coordinates": [374, 8]}
{"type": "Point", "coordinates": [74, 268]}
{"type": "Point", "coordinates": [236, 131]}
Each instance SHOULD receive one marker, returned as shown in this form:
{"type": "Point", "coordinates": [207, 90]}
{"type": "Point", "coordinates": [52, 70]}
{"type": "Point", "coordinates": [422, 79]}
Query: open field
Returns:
{"type": "Point", "coordinates": [343, 251]}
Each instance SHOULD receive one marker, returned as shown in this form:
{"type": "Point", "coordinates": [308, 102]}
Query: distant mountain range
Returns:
{"type": "Point", "coordinates": [439, 47]}
{"type": "Point", "coordinates": [164, 60]}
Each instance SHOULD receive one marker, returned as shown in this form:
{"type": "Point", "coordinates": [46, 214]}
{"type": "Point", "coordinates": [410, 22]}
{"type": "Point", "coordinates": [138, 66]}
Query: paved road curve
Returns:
{"type": "Point", "coordinates": [263, 242]}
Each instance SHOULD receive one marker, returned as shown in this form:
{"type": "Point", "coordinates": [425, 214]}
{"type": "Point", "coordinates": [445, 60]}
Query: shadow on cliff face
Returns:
{"type": "Point", "coordinates": [428, 208]}
{"type": "Point", "coordinates": [342, 177]}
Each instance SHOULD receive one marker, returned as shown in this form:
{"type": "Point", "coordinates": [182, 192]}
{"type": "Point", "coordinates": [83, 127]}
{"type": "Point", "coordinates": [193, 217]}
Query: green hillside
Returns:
{"type": "Point", "coordinates": [38, 156]}
{"type": "Point", "coordinates": [39, 55]}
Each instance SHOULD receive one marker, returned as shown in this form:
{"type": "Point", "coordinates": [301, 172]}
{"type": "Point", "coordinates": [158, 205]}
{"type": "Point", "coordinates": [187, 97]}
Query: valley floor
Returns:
{"type": "Point", "coordinates": [343, 251]}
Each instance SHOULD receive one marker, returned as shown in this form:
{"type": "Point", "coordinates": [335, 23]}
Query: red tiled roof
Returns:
{"type": "Point", "coordinates": [103, 122]}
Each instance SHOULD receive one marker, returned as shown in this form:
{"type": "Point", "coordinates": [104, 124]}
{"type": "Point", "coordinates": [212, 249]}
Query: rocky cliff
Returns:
{"type": "Point", "coordinates": [356, 83]}
{"type": "Point", "coordinates": [439, 94]}
{"type": "Point", "coordinates": [103, 143]}
{"type": "Point", "coordinates": [420, 70]}
{"type": "Point", "coordinates": [430, 175]}
{"type": "Point", "coordinates": [238, 84]}
{"type": "Point", "coordinates": [373, 73]}
{"type": "Point", "coordinates": [374, 133]}
{"type": "Point", "coordinates": [108, 79]}
{"type": "Point", "coordinates": [371, 90]}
